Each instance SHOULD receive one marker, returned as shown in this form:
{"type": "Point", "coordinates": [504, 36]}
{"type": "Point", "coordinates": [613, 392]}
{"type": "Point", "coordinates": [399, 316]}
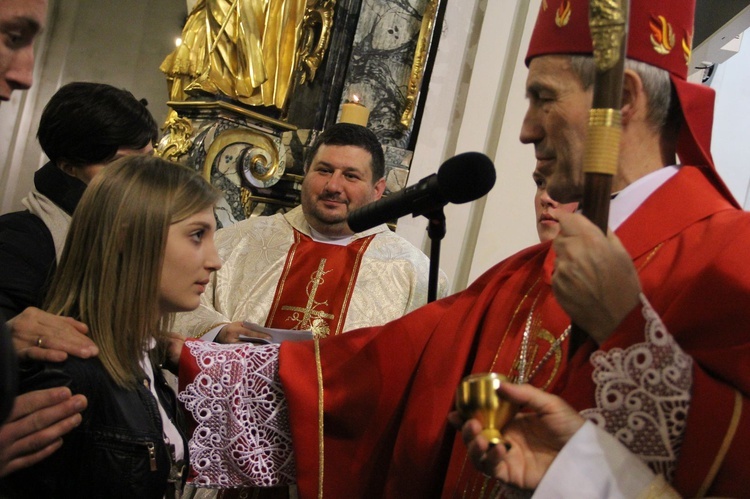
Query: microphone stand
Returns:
{"type": "Point", "coordinates": [436, 231]}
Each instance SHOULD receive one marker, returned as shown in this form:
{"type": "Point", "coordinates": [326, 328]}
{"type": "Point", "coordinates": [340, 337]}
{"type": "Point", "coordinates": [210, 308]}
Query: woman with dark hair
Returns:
{"type": "Point", "coordinates": [140, 248]}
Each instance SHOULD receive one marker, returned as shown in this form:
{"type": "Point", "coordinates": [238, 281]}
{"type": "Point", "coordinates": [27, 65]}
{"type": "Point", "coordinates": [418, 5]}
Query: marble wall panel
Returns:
{"type": "Point", "coordinates": [315, 105]}
{"type": "Point", "coordinates": [381, 61]}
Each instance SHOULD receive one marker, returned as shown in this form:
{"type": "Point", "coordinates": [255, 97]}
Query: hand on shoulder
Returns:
{"type": "Point", "coordinates": [43, 336]}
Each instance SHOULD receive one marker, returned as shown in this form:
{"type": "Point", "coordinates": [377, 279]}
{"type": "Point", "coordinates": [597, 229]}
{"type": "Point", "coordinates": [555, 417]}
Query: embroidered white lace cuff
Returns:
{"type": "Point", "coordinates": [643, 394]}
{"type": "Point", "coordinates": [242, 436]}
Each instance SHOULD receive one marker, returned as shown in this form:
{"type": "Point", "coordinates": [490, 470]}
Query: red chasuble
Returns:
{"type": "Point", "coordinates": [380, 429]}
{"type": "Point", "coordinates": [316, 295]}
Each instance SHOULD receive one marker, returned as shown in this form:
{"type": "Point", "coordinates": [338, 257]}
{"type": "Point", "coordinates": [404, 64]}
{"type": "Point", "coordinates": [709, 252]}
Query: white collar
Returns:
{"type": "Point", "coordinates": [296, 218]}
{"type": "Point", "coordinates": [322, 238]}
{"type": "Point", "coordinates": [631, 197]}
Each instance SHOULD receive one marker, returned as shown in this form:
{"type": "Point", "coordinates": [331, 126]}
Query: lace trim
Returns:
{"type": "Point", "coordinates": [643, 395]}
{"type": "Point", "coordinates": [243, 436]}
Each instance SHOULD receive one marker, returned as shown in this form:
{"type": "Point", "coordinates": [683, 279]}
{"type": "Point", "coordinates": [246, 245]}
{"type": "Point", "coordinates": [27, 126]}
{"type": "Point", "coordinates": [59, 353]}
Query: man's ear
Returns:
{"type": "Point", "coordinates": [633, 96]}
{"type": "Point", "coordinates": [379, 188]}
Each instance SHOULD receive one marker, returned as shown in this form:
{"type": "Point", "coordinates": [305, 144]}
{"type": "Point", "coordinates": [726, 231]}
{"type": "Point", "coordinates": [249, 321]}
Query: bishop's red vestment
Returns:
{"type": "Point", "coordinates": [386, 391]}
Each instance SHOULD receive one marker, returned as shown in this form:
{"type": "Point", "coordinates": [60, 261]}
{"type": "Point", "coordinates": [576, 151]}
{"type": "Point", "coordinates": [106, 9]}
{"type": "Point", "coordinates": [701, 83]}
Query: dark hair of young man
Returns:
{"type": "Point", "coordinates": [86, 123]}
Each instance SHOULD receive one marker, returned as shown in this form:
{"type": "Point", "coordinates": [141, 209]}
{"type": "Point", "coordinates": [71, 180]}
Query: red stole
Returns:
{"type": "Point", "coordinates": [316, 295]}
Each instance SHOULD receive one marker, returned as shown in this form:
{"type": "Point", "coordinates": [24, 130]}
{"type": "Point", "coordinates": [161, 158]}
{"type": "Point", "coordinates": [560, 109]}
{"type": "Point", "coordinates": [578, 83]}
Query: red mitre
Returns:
{"type": "Point", "coordinates": [660, 33]}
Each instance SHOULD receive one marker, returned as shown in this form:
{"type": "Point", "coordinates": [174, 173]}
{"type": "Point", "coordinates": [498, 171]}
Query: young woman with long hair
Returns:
{"type": "Point", "coordinates": [140, 248]}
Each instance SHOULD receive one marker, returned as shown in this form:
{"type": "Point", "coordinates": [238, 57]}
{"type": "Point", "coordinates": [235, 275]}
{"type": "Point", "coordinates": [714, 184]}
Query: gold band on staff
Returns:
{"type": "Point", "coordinates": [604, 132]}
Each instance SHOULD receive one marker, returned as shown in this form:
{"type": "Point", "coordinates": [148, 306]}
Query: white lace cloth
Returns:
{"type": "Point", "coordinates": [243, 437]}
{"type": "Point", "coordinates": [643, 395]}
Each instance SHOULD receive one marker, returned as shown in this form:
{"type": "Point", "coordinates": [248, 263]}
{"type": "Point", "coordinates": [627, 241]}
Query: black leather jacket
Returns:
{"type": "Point", "coordinates": [27, 250]}
{"type": "Point", "coordinates": [118, 450]}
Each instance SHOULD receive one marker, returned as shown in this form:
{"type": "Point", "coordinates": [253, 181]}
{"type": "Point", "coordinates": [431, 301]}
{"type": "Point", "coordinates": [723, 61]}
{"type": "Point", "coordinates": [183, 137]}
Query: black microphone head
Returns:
{"type": "Point", "coordinates": [466, 177]}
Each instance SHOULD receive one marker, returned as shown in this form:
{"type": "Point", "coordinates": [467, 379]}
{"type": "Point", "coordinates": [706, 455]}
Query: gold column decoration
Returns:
{"type": "Point", "coordinates": [176, 141]}
{"type": "Point", "coordinates": [312, 49]}
{"type": "Point", "coordinates": [420, 59]}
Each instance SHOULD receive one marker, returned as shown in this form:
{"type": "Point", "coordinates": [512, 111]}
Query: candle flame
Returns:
{"type": "Point", "coordinates": [355, 98]}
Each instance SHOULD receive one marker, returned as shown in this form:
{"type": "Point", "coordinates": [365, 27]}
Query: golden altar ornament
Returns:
{"type": "Point", "coordinates": [247, 50]}
{"type": "Point", "coordinates": [476, 397]}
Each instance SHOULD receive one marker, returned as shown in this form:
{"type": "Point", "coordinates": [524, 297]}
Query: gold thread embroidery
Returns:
{"type": "Point", "coordinates": [321, 407]}
{"type": "Point", "coordinates": [510, 323]}
{"type": "Point", "coordinates": [649, 257]}
{"type": "Point", "coordinates": [310, 318]}
{"type": "Point", "coordinates": [556, 343]}
{"type": "Point", "coordinates": [523, 359]}
{"type": "Point", "coordinates": [332, 318]}
{"type": "Point", "coordinates": [554, 348]}
{"type": "Point", "coordinates": [494, 361]}
{"type": "Point", "coordinates": [284, 276]}
{"type": "Point", "coordinates": [557, 352]}
{"type": "Point", "coordinates": [352, 282]}
{"type": "Point", "coordinates": [483, 489]}
{"type": "Point", "coordinates": [728, 438]}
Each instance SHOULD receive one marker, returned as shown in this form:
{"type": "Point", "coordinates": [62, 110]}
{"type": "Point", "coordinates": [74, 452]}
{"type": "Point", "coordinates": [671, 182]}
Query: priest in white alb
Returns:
{"type": "Point", "coordinates": [306, 269]}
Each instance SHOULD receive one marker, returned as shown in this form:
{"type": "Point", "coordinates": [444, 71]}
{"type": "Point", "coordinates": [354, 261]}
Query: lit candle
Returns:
{"type": "Point", "coordinates": [354, 112]}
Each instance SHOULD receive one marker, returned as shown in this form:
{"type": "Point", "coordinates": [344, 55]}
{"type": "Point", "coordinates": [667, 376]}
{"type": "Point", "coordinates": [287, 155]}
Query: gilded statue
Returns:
{"type": "Point", "coordinates": [243, 49]}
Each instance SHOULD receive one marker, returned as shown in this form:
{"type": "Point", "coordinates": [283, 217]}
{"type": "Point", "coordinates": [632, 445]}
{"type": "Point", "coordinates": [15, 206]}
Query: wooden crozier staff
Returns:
{"type": "Point", "coordinates": [608, 22]}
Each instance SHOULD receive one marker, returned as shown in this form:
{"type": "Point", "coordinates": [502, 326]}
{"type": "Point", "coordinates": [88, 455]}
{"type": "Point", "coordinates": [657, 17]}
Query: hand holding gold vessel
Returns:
{"type": "Point", "coordinates": [537, 434]}
{"type": "Point", "coordinates": [477, 398]}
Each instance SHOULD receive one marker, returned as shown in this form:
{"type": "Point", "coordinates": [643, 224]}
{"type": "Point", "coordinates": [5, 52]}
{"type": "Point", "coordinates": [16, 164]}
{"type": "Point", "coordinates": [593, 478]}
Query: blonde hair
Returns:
{"type": "Point", "coordinates": [109, 271]}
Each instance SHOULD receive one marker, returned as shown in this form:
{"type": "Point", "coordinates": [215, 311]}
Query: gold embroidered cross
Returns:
{"type": "Point", "coordinates": [308, 317]}
{"type": "Point", "coordinates": [518, 365]}
{"type": "Point", "coordinates": [540, 336]}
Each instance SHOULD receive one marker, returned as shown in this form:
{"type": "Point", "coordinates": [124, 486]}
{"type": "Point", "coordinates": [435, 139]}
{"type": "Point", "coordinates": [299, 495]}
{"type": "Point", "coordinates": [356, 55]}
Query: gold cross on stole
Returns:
{"type": "Point", "coordinates": [302, 316]}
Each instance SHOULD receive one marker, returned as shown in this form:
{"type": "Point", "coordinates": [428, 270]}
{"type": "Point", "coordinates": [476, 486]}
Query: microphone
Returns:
{"type": "Point", "coordinates": [460, 179]}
